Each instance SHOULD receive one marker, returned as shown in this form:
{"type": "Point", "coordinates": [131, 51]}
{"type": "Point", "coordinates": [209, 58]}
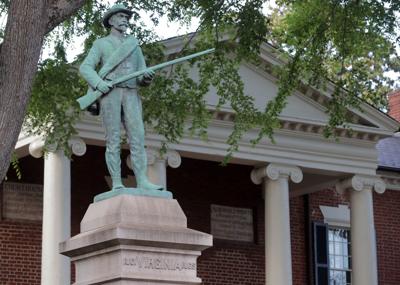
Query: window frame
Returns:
{"type": "Point", "coordinates": [348, 256]}
{"type": "Point", "coordinates": [334, 218]}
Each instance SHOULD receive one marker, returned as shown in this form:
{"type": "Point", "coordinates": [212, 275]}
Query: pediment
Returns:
{"type": "Point", "coordinates": [306, 106]}
{"type": "Point", "coordinates": [263, 88]}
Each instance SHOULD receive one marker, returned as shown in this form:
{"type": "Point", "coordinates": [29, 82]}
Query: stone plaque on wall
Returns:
{"type": "Point", "coordinates": [231, 223]}
{"type": "Point", "coordinates": [22, 201]}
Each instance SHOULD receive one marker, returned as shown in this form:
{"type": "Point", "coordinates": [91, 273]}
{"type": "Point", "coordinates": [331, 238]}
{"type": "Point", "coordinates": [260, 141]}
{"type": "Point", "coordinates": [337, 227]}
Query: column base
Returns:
{"type": "Point", "coordinates": [136, 240]}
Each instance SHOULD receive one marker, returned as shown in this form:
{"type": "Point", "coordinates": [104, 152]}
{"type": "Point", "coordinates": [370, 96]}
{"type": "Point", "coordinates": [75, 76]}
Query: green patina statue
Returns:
{"type": "Point", "coordinates": [115, 85]}
{"type": "Point", "coordinates": [120, 54]}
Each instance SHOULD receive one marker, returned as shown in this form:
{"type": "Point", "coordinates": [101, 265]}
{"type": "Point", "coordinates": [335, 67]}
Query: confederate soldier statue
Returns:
{"type": "Point", "coordinates": [120, 54]}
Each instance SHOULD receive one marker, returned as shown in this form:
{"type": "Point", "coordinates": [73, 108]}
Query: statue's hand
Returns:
{"type": "Point", "coordinates": [148, 75]}
{"type": "Point", "coordinates": [104, 86]}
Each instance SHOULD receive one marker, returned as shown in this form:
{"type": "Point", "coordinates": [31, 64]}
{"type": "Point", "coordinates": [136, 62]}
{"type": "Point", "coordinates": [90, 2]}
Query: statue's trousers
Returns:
{"type": "Point", "coordinates": [124, 105]}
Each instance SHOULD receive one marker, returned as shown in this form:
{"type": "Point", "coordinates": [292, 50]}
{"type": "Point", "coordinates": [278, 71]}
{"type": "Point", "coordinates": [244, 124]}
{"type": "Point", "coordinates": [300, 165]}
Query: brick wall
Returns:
{"type": "Point", "coordinates": [196, 185]}
{"type": "Point", "coordinates": [21, 241]}
{"type": "Point", "coordinates": [20, 252]}
{"type": "Point", "coordinates": [299, 241]}
{"type": "Point", "coordinates": [387, 225]}
{"type": "Point", "coordinates": [394, 104]}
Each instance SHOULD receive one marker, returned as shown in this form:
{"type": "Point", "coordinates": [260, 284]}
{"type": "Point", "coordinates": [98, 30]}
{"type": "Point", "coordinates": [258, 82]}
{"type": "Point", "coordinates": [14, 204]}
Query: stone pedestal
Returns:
{"type": "Point", "coordinates": [136, 240]}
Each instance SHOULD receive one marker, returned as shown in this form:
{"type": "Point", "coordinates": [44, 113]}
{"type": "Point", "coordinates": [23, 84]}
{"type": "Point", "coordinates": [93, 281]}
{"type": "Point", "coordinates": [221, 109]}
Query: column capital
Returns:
{"type": "Point", "coordinates": [361, 182]}
{"type": "Point", "coordinates": [36, 147]}
{"type": "Point", "coordinates": [274, 171]}
{"type": "Point", "coordinates": [77, 145]}
{"type": "Point", "coordinates": [171, 158]}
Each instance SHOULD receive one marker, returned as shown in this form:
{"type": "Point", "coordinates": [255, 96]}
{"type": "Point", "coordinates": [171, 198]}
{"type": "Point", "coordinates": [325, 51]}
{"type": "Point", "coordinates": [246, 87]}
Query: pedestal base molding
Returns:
{"type": "Point", "coordinates": [136, 240]}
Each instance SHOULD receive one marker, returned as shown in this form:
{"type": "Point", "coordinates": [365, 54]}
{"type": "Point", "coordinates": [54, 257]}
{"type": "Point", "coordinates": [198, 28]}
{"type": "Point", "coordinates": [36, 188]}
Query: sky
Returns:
{"type": "Point", "coordinates": [164, 30]}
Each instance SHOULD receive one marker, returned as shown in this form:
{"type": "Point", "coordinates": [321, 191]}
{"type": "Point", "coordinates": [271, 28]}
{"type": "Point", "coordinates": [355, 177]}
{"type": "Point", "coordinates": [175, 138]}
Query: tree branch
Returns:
{"type": "Point", "coordinates": [61, 10]}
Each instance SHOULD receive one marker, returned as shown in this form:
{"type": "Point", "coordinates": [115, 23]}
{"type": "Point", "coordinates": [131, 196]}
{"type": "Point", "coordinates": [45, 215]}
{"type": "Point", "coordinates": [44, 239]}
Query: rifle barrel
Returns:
{"type": "Point", "coordinates": [162, 65]}
{"type": "Point", "coordinates": [91, 97]}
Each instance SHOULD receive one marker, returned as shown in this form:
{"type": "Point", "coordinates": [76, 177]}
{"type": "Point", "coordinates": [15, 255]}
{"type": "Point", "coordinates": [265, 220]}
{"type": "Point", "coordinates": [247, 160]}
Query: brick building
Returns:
{"type": "Point", "coordinates": [311, 210]}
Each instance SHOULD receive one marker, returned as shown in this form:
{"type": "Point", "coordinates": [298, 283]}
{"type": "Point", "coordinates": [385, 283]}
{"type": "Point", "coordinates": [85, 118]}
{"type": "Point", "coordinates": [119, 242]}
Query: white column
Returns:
{"type": "Point", "coordinates": [278, 256]}
{"type": "Point", "coordinates": [56, 268]}
{"type": "Point", "coordinates": [363, 238]}
{"type": "Point", "coordinates": [157, 164]}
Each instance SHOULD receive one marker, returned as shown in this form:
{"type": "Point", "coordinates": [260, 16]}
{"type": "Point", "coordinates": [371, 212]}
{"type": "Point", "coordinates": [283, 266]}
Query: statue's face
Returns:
{"type": "Point", "coordinates": [119, 21]}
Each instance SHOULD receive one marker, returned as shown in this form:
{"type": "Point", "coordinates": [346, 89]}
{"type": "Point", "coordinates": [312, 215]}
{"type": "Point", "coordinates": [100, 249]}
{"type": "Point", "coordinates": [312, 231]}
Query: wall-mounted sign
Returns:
{"type": "Point", "coordinates": [22, 201]}
{"type": "Point", "coordinates": [231, 223]}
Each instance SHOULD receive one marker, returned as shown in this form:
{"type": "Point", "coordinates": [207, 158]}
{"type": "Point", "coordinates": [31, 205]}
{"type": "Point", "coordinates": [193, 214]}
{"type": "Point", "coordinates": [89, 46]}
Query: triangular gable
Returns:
{"type": "Point", "coordinates": [263, 88]}
{"type": "Point", "coordinates": [307, 105]}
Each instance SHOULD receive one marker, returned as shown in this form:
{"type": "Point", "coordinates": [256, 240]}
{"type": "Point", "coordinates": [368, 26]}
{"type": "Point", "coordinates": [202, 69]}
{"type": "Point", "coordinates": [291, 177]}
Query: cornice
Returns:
{"type": "Point", "coordinates": [315, 127]}
{"type": "Point", "coordinates": [297, 143]}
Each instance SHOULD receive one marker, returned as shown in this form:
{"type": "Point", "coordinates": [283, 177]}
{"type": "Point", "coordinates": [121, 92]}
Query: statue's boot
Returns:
{"type": "Point", "coordinates": [147, 185]}
{"type": "Point", "coordinates": [144, 183]}
{"type": "Point", "coordinates": [117, 183]}
{"type": "Point", "coordinates": [139, 165]}
{"type": "Point", "coordinates": [113, 161]}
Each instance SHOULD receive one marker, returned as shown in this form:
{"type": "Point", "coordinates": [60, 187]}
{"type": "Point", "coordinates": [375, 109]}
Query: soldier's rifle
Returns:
{"type": "Point", "coordinates": [90, 97]}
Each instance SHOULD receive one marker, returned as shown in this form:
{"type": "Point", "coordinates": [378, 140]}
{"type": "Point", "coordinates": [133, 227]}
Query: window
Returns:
{"type": "Point", "coordinates": [339, 256]}
{"type": "Point", "coordinates": [332, 257]}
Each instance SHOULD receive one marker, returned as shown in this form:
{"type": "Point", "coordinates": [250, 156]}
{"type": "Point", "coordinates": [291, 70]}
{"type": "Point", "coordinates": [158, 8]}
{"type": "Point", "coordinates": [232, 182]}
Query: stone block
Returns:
{"type": "Point", "coordinates": [136, 240]}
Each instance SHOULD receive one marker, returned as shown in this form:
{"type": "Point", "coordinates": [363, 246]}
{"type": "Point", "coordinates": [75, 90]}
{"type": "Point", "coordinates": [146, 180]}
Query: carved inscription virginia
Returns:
{"type": "Point", "coordinates": [154, 263]}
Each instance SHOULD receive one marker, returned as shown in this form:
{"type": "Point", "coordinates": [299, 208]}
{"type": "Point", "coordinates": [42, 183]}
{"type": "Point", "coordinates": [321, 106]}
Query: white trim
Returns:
{"type": "Point", "coordinates": [336, 216]}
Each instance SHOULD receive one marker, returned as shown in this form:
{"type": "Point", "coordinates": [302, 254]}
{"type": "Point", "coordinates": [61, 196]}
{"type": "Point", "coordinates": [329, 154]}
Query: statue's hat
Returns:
{"type": "Point", "coordinates": [113, 10]}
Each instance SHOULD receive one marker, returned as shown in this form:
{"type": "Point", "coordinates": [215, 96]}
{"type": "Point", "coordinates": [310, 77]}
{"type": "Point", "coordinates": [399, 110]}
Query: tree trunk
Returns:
{"type": "Point", "coordinates": [27, 24]}
{"type": "Point", "coordinates": [19, 56]}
